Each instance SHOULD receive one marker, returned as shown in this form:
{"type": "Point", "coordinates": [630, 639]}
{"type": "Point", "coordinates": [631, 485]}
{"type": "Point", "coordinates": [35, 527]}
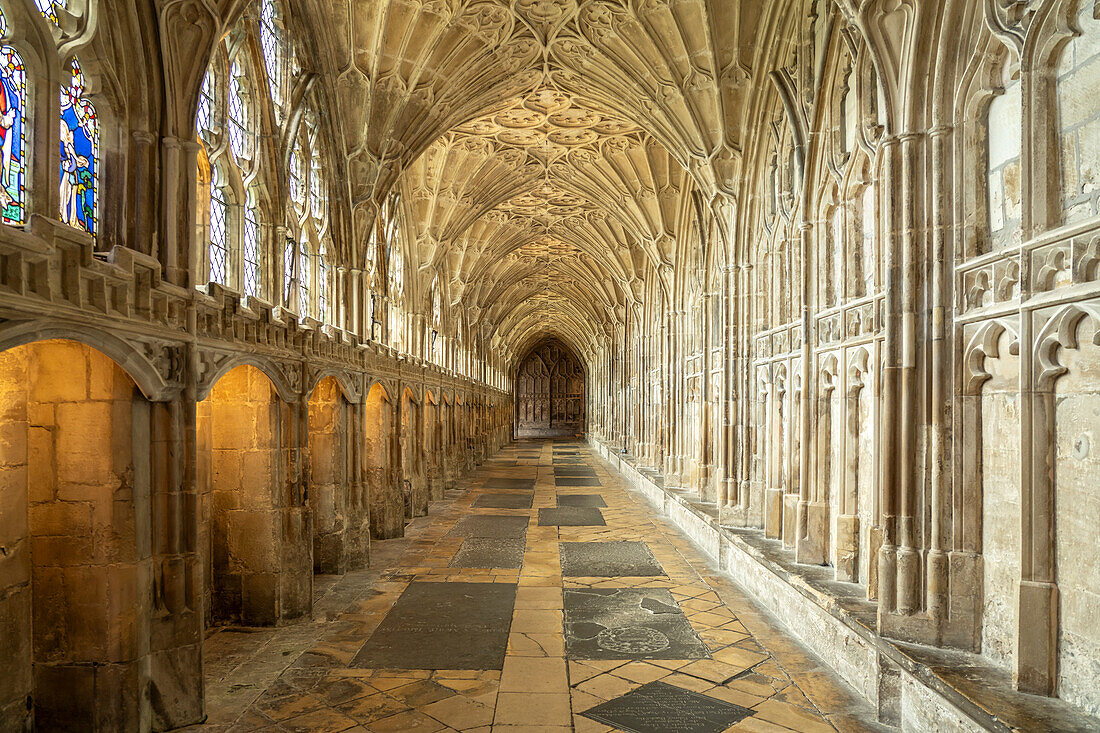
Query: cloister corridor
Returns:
{"type": "Point", "coordinates": [660, 366]}
{"type": "Point", "coordinates": [485, 646]}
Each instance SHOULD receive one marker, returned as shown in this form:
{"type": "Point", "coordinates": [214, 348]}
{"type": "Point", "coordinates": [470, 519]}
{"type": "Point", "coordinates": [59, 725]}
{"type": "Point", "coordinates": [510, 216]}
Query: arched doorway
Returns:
{"type": "Point", "coordinates": [549, 392]}
{"type": "Point", "coordinates": [387, 505]}
{"type": "Point", "coordinates": [78, 467]}
{"type": "Point", "coordinates": [260, 531]}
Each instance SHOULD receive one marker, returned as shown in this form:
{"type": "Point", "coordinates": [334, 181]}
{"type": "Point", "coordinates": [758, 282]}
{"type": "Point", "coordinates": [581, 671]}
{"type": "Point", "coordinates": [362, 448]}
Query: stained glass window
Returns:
{"type": "Point", "coordinates": [237, 112]}
{"type": "Point", "coordinates": [13, 122]}
{"type": "Point", "coordinates": [274, 50]}
{"type": "Point", "coordinates": [219, 244]}
{"type": "Point", "coordinates": [79, 155]}
{"type": "Point", "coordinates": [251, 242]}
{"type": "Point", "coordinates": [204, 118]}
{"type": "Point", "coordinates": [323, 273]}
{"type": "Point", "coordinates": [303, 278]}
{"type": "Point", "coordinates": [48, 8]}
{"type": "Point", "coordinates": [289, 251]}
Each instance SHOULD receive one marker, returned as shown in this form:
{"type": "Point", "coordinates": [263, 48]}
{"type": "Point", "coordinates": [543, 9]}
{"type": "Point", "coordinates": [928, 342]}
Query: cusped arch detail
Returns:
{"type": "Point", "coordinates": [270, 368]}
{"type": "Point", "coordinates": [127, 355]}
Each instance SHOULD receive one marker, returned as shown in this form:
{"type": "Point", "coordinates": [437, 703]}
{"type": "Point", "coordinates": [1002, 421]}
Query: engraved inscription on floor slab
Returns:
{"type": "Point", "coordinates": [488, 552]}
{"type": "Point", "coordinates": [518, 500]}
{"type": "Point", "coordinates": [499, 526]}
{"type": "Point", "coordinates": [443, 626]}
{"type": "Point", "coordinates": [628, 623]}
{"type": "Point", "coordinates": [571, 516]}
{"type": "Point", "coordinates": [576, 481]}
{"type": "Point", "coordinates": [608, 560]}
{"type": "Point", "coordinates": [657, 707]}
{"type": "Point", "coordinates": [581, 500]}
{"type": "Point", "coordinates": [524, 484]}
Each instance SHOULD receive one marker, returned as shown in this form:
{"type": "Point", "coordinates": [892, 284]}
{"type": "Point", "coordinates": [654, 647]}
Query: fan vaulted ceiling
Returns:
{"type": "Point", "coordinates": [546, 150]}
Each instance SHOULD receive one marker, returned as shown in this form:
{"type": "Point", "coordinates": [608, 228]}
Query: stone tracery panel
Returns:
{"type": "Point", "coordinates": [550, 389]}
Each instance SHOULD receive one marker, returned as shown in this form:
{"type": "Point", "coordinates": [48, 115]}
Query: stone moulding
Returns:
{"type": "Point", "coordinates": [913, 687]}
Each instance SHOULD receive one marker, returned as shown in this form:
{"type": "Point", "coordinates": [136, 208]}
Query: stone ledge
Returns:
{"type": "Point", "coordinates": [914, 687]}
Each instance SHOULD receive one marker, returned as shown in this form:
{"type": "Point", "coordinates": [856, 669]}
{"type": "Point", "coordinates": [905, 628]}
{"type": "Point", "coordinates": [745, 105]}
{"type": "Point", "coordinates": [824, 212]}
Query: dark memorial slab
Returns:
{"type": "Point", "coordinates": [524, 484]}
{"type": "Point", "coordinates": [486, 552]}
{"type": "Point", "coordinates": [608, 560]}
{"type": "Point", "coordinates": [571, 516]}
{"type": "Point", "coordinates": [657, 707]}
{"type": "Point", "coordinates": [628, 623]}
{"type": "Point", "coordinates": [574, 471]}
{"type": "Point", "coordinates": [576, 481]}
{"type": "Point", "coordinates": [443, 626]}
{"type": "Point", "coordinates": [581, 500]}
{"type": "Point", "coordinates": [518, 500]}
{"type": "Point", "coordinates": [496, 526]}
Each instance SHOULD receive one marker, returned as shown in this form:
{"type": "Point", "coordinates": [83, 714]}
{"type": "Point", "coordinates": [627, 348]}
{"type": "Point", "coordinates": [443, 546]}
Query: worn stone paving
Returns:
{"type": "Point", "coordinates": [318, 675]}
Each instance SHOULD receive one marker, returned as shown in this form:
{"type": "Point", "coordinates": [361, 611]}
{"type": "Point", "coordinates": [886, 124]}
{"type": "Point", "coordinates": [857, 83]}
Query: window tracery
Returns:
{"type": "Point", "coordinates": [309, 213]}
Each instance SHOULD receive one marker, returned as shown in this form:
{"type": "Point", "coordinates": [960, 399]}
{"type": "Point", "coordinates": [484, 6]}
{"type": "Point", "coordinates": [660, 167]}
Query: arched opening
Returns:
{"type": "Point", "coordinates": [76, 556]}
{"type": "Point", "coordinates": [549, 392]}
{"type": "Point", "coordinates": [259, 533]}
{"type": "Point", "coordinates": [341, 527]}
{"type": "Point", "coordinates": [387, 505]}
{"type": "Point", "coordinates": [432, 444]}
{"type": "Point", "coordinates": [447, 443]}
{"type": "Point", "coordinates": [412, 458]}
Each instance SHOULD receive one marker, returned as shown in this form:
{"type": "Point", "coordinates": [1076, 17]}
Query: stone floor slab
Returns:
{"type": "Point", "coordinates": [443, 626]}
{"type": "Point", "coordinates": [581, 500]}
{"type": "Point", "coordinates": [499, 526]}
{"type": "Point", "coordinates": [563, 471]}
{"type": "Point", "coordinates": [571, 516]}
{"type": "Point", "coordinates": [608, 560]}
{"type": "Point", "coordinates": [660, 708]}
{"type": "Point", "coordinates": [509, 483]}
{"type": "Point", "coordinates": [628, 623]}
{"type": "Point", "coordinates": [486, 552]}
{"type": "Point", "coordinates": [562, 481]}
{"type": "Point", "coordinates": [520, 500]}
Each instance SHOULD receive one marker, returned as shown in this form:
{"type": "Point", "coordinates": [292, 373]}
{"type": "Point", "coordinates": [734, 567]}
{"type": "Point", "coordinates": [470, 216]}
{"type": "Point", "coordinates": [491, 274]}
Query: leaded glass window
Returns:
{"type": "Point", "coordinates": [13, 140]}
{"type": "Point", "coordinates": [303, 278]}
{"type": "Point", "coordinates": [48, 8]}
{"type": "Point", "coordinates": [323, 274]}
{"type": "Point", "coordinates": [274, 49]}
{"type": "Point", "coordinates": [205, 116]}
{"type": "Point", "coordinates": [289, 251]}
{"type": "Point", "coordinates": [316, 188]}
{"type": "Point", "coordinates": [219, 240]}
{"type": "Point", "coordinates": [251, 246]}
{"type": "Point", "coordinates": [79, 155]}
{"type": "Point", "coordinates": [297, 187]}
{"type": "Point", "coordinates": [237, 112]}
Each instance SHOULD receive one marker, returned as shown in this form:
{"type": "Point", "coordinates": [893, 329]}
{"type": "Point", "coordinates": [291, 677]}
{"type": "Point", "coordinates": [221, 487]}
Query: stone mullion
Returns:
{"type": "Point", "coordinates": [909, 591]}
{"type": "Point", "coordinates": [937, 586]}
{"type": "Point", "coordinates": [889, 469]}
{"type": "Point", "coordinates": [807, 547]}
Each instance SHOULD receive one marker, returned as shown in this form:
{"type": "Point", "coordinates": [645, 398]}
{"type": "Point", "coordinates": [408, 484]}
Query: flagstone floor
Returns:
{"type": "Point", "coordinates": [540, 672]}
